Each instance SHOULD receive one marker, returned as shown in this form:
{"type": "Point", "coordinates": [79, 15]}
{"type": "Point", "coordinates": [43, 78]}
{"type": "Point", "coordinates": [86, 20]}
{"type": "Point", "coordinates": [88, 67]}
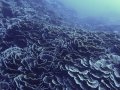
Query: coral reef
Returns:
{"type": "Point", "coordinates": [36, 55]}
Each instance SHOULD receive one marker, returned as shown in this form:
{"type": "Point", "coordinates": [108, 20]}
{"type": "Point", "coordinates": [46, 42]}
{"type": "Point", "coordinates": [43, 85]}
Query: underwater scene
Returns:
{"type": "Point", "coordinates": [59, 44]}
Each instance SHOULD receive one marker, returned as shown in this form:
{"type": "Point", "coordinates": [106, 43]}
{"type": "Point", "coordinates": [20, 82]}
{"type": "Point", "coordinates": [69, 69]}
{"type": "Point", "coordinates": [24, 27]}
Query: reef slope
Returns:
{"type": "Point", "coordinates": [41, 49]}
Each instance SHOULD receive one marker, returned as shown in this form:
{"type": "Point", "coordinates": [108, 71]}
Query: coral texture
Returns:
{"type": "Point", "coordinates": [36, 54]}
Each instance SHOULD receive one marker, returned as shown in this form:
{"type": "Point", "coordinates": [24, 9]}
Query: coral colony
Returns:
{"type": "Point", "coordinates": [42, 47]}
